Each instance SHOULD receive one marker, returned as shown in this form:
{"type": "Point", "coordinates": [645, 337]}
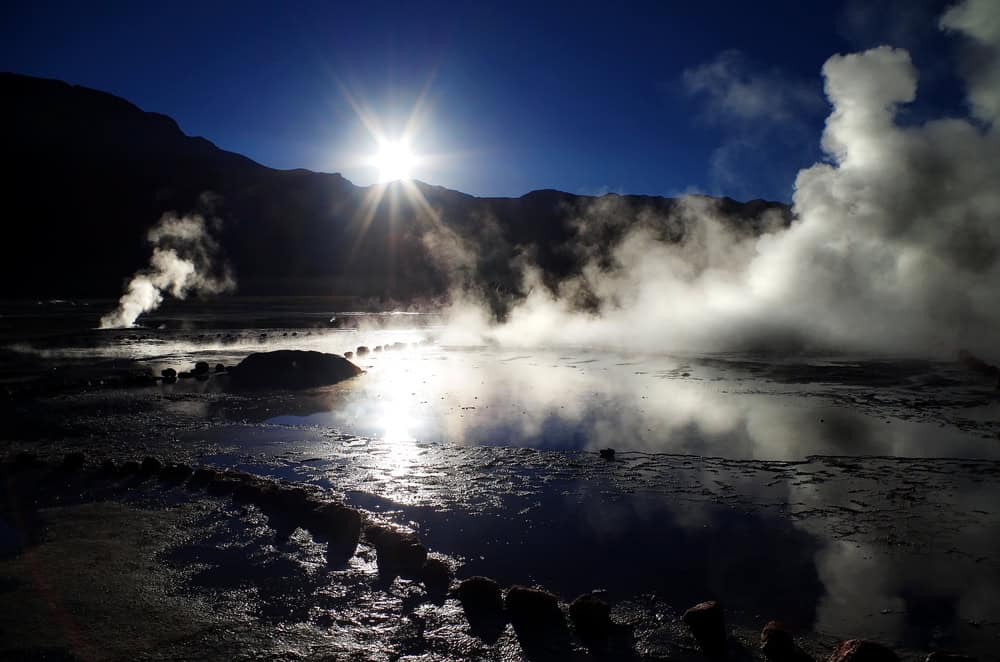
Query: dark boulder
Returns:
{"type": "Point", "coordinates": [591, 617]}
{"type": "Point", "coordinates": [219, 368]}
{"type": "Point", "coordinates": [398, 552]}
{"type": "Point", "coordinates": [862, 650]}
{"type": "Point", "coordinates": [348, 355]}
{"type": "Point", "coordinates": [608, 453]}
{"type": "Point", "coordinates": [436, 576]}
{"type": "Point", "coordinates": [184, 375]}
{"type": "Point", "coordinates": [201, 368]}
{"type": "Point", "coordinates": [292, 369]}
{"type": "Point", "coordinates": [480, 597]}
{"type": "Point", "coordinates": [708, 625]}
{"type": "Point", "coordinates": [533, 610]}
{"type": "Point", "coordinates": [362, 350]}
{"type": "Point", "coordinates": [168, 373]}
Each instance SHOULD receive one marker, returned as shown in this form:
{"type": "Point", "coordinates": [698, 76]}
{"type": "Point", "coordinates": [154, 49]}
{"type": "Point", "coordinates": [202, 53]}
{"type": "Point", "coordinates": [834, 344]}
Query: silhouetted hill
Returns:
{"type": "Point", "coordinates": [85, 174]}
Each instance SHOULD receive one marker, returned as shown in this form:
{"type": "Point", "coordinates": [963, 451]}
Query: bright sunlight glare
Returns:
{"type": "Point", "coordinates": [394, 161]}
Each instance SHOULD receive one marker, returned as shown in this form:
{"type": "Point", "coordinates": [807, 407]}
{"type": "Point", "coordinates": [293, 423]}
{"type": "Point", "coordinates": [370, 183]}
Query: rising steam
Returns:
{"type": "Point", "coordinates": [894, 247]}
{"type": "Point", "coordinates": [184, 261]}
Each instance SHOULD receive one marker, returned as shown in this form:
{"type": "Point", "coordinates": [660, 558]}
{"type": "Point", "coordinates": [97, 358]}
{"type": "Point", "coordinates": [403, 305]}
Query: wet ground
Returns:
{"type": "Point", "coordinates": [846, 496]}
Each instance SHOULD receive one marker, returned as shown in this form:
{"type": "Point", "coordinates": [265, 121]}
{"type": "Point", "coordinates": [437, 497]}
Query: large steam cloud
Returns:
{"type": "Point", "coordinates": [184, 261]}
{"type": "Point", "coordinates": [895, 246]}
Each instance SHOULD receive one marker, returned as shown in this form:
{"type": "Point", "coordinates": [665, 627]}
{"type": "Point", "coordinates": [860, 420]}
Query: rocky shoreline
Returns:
{"type": "Point", "coordinates": [543, 626]}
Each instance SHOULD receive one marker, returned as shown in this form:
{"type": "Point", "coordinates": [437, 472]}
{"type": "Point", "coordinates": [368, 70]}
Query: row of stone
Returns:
{"type": "Point", "coordinates": [534, 612]}
{"type": "Point", "coordinates": [362, 350]}
{"type": "Point", "coordinates": [341, 527]}
{"type": "Point", "coordinates": [201, 371]}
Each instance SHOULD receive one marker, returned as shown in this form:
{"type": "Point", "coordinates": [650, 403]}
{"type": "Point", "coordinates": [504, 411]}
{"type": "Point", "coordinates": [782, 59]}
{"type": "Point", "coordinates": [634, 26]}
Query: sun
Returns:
{"type": "Point", "coordinates": [394, 161]}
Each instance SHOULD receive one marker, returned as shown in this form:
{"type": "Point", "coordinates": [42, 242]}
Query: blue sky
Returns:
{"type": "Point", "coordinates": [641, 97]}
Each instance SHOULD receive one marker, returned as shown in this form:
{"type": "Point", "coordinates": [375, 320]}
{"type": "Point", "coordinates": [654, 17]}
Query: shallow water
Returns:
{"type": "Point", "coordinates": [846, 495]}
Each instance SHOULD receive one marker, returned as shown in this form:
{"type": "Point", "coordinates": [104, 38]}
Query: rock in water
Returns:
{"type": "Point", "coordinates": [591, 617]}
{"type": "Point", "coordinates": [533, 610]}
{"type": "Point", "coordinates": [708, 625]}
{"type": "Point", "coordinates": [480, 597]}
{"type": "Point", "coordinates": [861, 650]}
{"type": "Point", "coordinates": [778, 645]}
{"type": "Point", "coordinates": [289, 368]}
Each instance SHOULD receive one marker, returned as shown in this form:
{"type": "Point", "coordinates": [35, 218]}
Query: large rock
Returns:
{"type": "Point", "coordinates": [708, 625]}
{"type": "Point", "coordinates": [862, 650]}
{"type": "Point", "coordinates": [288, 368]}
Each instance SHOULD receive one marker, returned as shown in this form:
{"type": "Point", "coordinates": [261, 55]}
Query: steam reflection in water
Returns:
{"type": "Point", "coordinates": [587, 400]}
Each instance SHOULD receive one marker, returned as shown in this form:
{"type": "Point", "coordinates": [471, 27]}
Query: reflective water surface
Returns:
{"type": "Point", "coordinates": [846, 495]}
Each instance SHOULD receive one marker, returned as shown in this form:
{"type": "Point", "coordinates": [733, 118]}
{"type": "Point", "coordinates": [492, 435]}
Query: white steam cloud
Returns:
{"type": "Point", "coordinates": [184, 261]}
{"type": "Point", "coordinates": [894, 247]}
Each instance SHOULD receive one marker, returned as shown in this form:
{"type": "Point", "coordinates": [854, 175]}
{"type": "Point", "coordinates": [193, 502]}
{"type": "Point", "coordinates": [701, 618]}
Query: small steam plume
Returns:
{"type": "Point", "coordinates": [894, 247]}
{"type": "Point", "coordinates": [184, 261]}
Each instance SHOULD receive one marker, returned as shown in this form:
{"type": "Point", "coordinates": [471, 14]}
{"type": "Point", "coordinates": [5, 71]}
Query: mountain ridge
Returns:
{"type": "Point", "coordinates": [86, 173]}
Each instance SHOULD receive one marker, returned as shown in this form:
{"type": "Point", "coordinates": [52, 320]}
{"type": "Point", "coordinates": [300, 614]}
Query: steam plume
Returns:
{"type": "Point", "coordinates": [895, 246]}
{"type": "Point", "coordinates": [184, 261]}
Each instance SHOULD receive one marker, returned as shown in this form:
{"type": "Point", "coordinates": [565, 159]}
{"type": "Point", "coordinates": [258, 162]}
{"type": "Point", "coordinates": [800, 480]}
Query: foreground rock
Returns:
{"type": "Point", "coordinates": [708, 625]}
{"type": "Point", "coordinates": [861, 650]}
{"type": "Point", "coordinates": [591, 617]}
{"type": "Point", "coordinates": [778, 645]}
{"type": "Point", "coordinates": [533, 610]}
{"type": "Point", "coordinates": [292, 369]}
{"type": "Point", "coordinates": [480, 597]}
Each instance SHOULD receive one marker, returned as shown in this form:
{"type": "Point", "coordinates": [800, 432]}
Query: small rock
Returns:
{"type": "Point", "coordinates": [202, 477]}
{"type": "Point", "coordinates": [436, 576]}
{"type": "Point", "coordinates": [533, 610]}
{"type": "Point", "coordinates": [480, 597]}
{"type": "Point", "coordinates": [201, 368]}
{"type": "Point", "coordinates": [73, 461]}
{"type": "Point", "coordinates": [108, 469]}
{"type": "Point", "coordinates": [777, 644]}
{"type": "Point", "coordinates": [861, 650]}
{"type": "Point", "coordinates": [608, 453]}
{"type": "Point", "coordinates": [362, 350]}
{"type": "Point", "coordinates": [184, 375]}
{"type": "Point", "coordinates": [168, 373]}
{"type": "Point", "coordinates": [175, 473]}
{"type": "Point", "coordinates": [348, 355]}
{"type": "Point", "coordinates": [220, 368]}
{"type": "Point", "coordinates": [591, 617]}
{"type": "Point", "coordinates": [708, 625]}
{"type": "Point", "coordinates": [378, 348]}
{"type": "Point", "coordinates": [398, 551]}
{"type": "Point", "coordinates": [339, 526]}
{"type": "Point", "coordinates": [128, 468]}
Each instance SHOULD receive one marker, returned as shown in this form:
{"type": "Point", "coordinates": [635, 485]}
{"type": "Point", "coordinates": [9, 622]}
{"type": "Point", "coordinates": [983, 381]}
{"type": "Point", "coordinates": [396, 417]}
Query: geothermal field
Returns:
{"type": "Point", "coordinates": [491, 331]}
{"type": "Point", "coordinates": [845, 496]}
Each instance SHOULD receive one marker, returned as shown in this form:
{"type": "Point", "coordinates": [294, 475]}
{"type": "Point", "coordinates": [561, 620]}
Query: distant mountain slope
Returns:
{"type": "Point", "coordinates": [85, 174]}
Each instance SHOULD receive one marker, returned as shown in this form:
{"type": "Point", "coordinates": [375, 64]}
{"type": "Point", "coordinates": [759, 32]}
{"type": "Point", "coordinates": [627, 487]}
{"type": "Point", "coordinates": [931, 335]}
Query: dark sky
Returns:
{"type": "Point", "coordinates": [655, 97]}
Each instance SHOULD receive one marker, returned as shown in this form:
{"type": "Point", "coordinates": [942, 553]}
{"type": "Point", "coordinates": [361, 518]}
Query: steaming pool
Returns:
{"type": "Point", "coordinates": [847, 496]}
